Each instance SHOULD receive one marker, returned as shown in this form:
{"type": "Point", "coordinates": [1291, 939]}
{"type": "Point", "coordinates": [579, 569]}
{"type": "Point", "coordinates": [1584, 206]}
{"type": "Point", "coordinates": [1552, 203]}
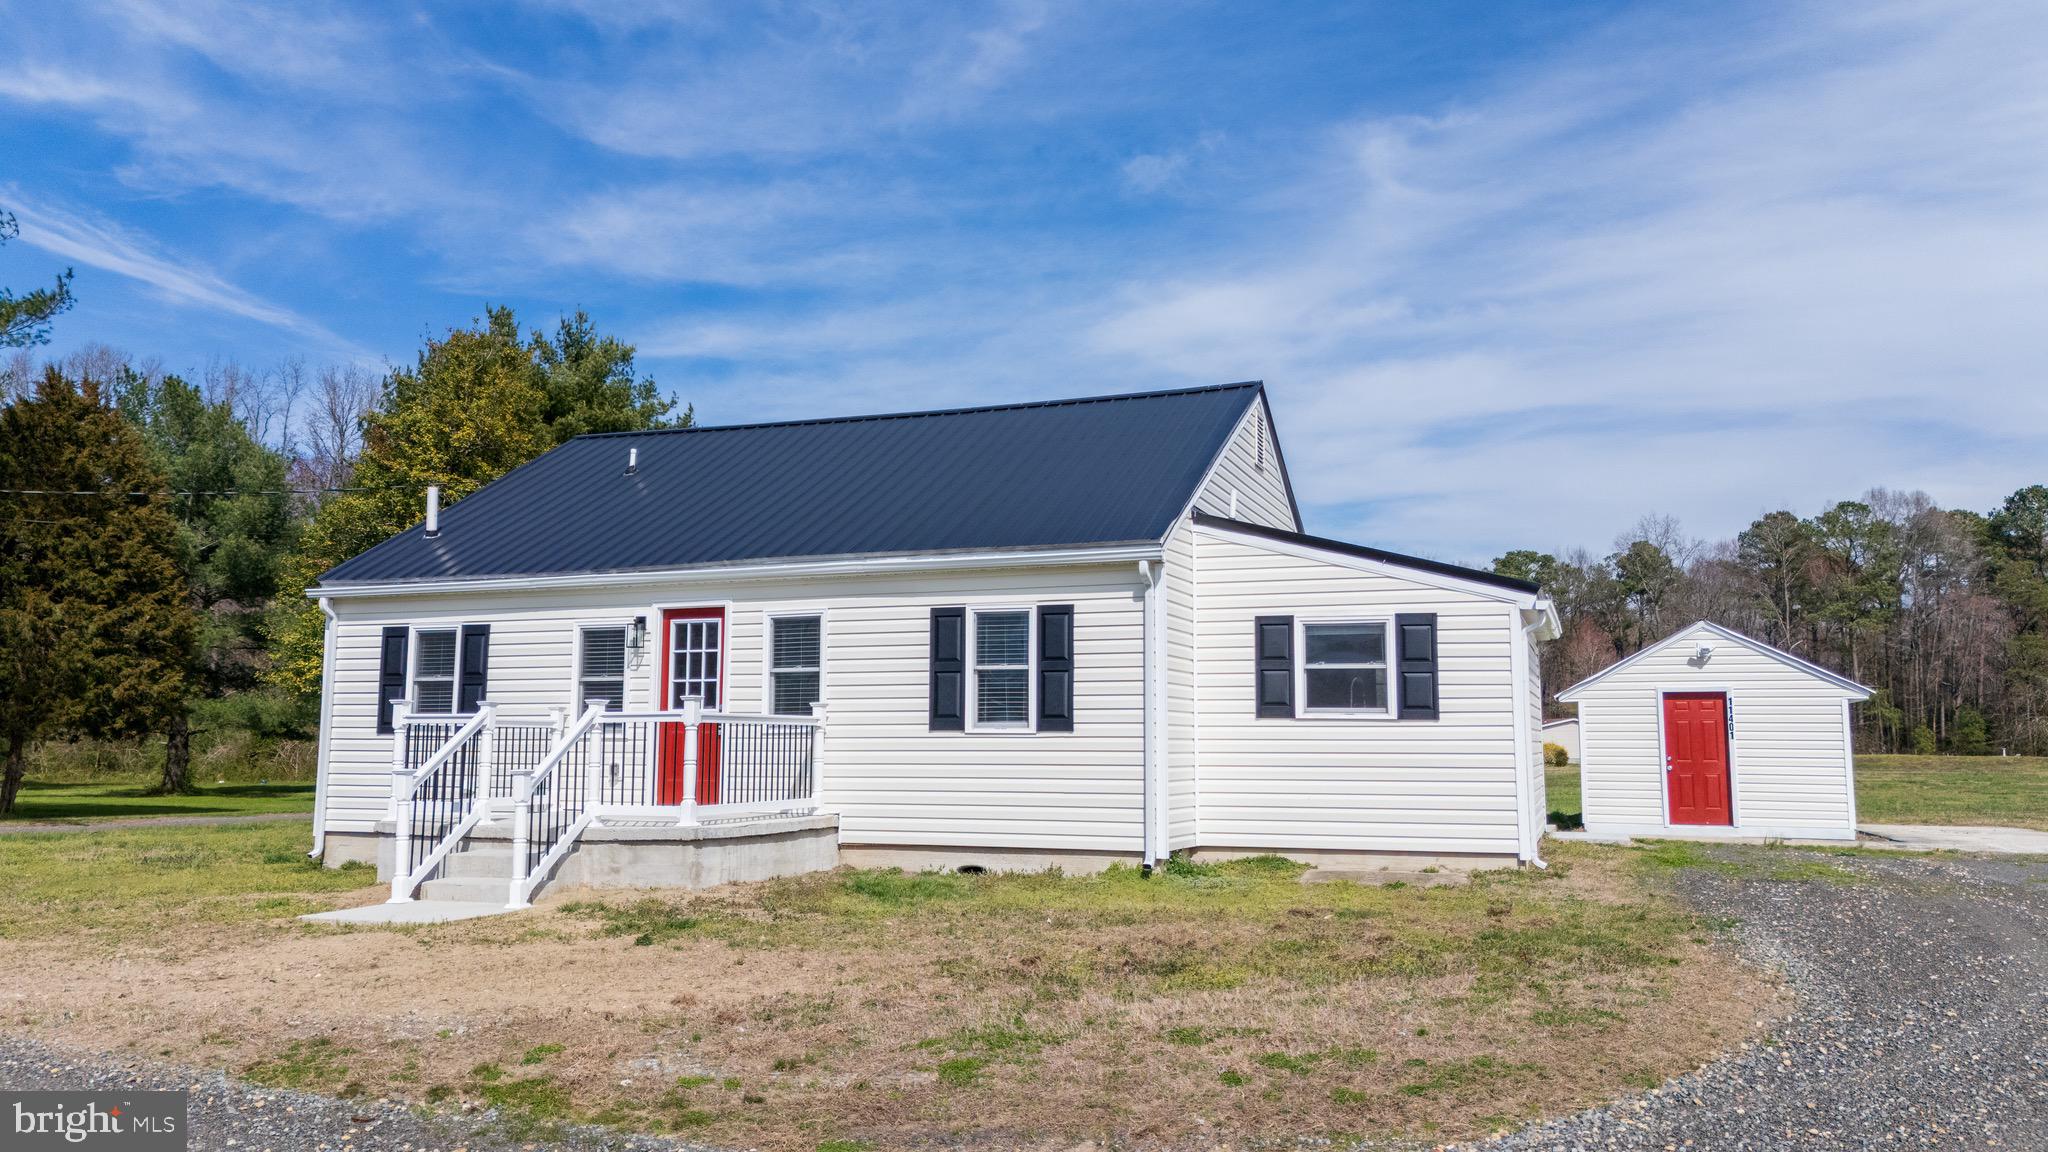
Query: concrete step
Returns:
{"type": "Point", "coordinates": [480, 860]}
{"type": "Point", "coordinates": [468, 889]}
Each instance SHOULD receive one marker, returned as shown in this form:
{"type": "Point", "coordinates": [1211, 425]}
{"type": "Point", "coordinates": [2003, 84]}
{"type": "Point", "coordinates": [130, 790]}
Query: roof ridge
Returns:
{"type": "Point", "coordinates": [966, 411]}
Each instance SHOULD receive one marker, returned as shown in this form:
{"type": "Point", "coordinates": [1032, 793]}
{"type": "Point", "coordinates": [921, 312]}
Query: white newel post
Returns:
{"type": "Point", "coordinates": [817, 756]}
{"type": "Point", "coordinates": [693, 716]}
{"type": "Point", "coordinates": [522, 809]}
{"type": "Point", "coordinates": [593, 760]}
{"type": "Point", "coordinates": [401, 802]}
{"type": "Point", "coordinates": [486, 756]}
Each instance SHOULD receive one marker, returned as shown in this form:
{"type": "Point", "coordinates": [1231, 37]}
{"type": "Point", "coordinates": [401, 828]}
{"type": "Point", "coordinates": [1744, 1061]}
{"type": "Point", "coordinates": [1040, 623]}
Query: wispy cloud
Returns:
{"type": "Point", "coordinates": [97, 243]}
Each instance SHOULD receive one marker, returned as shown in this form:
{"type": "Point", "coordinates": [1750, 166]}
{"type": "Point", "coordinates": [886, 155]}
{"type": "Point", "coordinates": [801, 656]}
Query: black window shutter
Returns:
{"type": "Point", "coordinates": [1416, 654]}
{"type": "Point", "coordinates": [1056, 668]}
{"type": "Point", "coordinates": [949, 670]}
{"type": "Point", "coordinates": [474, 679]}
{"type": "Point", "coordinates": [390, 675]}
{"type": "Point", "coordinates": [1273, 648]}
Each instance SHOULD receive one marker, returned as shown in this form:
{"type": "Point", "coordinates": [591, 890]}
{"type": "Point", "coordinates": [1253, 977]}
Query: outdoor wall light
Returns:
{"type": "Point", "coordinates": [636, 641]}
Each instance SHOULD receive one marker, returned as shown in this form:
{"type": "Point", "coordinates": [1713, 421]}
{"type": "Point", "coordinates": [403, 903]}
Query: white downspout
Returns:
{"type": "Point", "coordinates": [322, 740]}
{"type": "Point", "coordinates": [1526, 832]}
{"type": "Point", "coordinates": [1154, 848]}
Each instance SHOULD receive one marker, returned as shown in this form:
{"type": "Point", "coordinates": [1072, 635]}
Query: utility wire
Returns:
{"type": "Point", "coordinates": [212, 491]}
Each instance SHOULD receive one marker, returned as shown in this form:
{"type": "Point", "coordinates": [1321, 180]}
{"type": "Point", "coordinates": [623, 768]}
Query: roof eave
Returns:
{"type": "Point", "coordinates": [785, 568]}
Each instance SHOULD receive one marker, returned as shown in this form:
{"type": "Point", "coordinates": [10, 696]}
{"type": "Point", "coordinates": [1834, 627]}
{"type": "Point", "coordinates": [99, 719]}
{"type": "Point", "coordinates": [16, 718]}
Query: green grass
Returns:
{"type": "Point", "coordinates": [108, 800]}
{"type": "Point", "coordinates": [139, 881]}
{"type": "Point", "coordinates": [2002, 790]}
{"type": "Point", "coordinates": [1561, 786]}
{"type": "Point", "coordinates": [2005, 790]}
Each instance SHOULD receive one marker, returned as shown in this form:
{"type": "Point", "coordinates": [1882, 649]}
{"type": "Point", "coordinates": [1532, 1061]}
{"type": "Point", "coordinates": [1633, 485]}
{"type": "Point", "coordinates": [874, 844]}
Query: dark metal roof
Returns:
{"type": "Point", "coordinates": [1103, 470]}
{"type": "Point", "coordinates": [1382, 555]}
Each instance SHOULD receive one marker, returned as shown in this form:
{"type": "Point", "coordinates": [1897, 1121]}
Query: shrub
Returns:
{"type": "Point", "coordinates": [1555, 755]}
{"type": "Point", "coordinates": [1923, 741]}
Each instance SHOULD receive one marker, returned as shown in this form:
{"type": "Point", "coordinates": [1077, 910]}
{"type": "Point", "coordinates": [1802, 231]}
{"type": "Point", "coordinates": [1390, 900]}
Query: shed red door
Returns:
{"type": "Point", "coordinates": [1696, 757]}
{"type": "Point", "coordinates": [692, 664]}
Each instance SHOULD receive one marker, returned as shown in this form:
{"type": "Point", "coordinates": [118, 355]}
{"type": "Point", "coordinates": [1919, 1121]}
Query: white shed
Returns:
{"type": "Point", "coordinates": [1563, 732]}
{"type": "Point", "coordinates": [1709, 733]}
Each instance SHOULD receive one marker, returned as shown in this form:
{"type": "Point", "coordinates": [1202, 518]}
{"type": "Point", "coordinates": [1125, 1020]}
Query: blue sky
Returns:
{"type": "Point", "coordinates": [1515, 274]}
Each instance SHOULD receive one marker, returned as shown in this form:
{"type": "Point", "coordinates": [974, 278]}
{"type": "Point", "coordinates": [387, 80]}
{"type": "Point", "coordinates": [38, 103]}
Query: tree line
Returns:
{"type": "Point", "coordinates": [1943, 612]}
{"type": "Point", "coordinates": [157, 533]}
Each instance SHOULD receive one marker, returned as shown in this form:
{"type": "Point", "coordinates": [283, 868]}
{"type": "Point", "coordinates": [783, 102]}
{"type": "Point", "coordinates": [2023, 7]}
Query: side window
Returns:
{"type": "Point", "coordinates": [1002, 669]}
{"type": "Point", "coordinates": [433, 671]}
{"type": "Point", "coordinates": [1344, 667]}
{"type": "Point", "coordinates": [601, 668]}
{"type": "Point", "coordinates": [795, 664]}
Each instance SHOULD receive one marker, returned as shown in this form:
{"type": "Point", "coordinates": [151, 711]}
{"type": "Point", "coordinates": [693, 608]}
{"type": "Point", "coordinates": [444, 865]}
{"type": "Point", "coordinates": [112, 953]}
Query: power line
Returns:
{"type": "Point", "coordinates": [212, 491]}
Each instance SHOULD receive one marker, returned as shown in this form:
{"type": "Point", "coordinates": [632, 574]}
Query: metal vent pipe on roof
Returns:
{"type": "Point", "coordinates": [632, 461]}
{"type": "Point", "coordinates": [433, 510]}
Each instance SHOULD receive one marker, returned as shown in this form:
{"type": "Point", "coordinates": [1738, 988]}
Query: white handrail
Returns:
{"type": "Point", "coordinates": [406, 880]}
{"type": "Point", "coordinates": [524, 879]}
{"type": "Point", "coordinates": [441, 754]}
{"type": "Point", "coordinates": [710, 716]}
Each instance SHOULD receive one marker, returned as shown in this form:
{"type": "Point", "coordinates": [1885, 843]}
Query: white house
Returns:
{"type": "Point", "coordinates": [1064, 633]}
{"type": "Point", "coordinates": [1710, 733]}
{"type": "Point", "coordinates": [1563, 732]}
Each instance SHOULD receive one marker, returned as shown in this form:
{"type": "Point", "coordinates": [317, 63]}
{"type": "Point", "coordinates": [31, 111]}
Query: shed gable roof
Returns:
{"type": "Point", "coordinates": [1063, 473]}
{"type": "Point", "coordinates": [1729, 634]}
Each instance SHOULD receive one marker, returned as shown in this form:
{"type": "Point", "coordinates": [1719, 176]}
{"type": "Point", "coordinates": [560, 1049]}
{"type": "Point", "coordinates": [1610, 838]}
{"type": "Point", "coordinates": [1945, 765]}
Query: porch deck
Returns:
{"type": "Point", "coordinates": [492, 807]}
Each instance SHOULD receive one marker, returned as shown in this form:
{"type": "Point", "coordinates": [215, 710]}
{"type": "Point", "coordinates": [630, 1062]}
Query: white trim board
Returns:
{"type": "Point", "coordinates": [1529, 601]}
{"type": "Point", "coordinates": [772, 570]}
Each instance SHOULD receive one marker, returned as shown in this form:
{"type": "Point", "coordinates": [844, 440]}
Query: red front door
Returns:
{"type": "Point", "coordinates": [692, 664]}
{"type": "Point", "coordinates": [1696, 757]}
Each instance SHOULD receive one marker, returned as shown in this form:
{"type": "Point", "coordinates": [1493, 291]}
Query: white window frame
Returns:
{"type": "Point", "coordinates": [974, 722]}
{"type": "Point", "coordinates": [1301, 666]}
{"type": "Point", "coordinates": [768, 657]}
{"type": "Point", "coordinates": [626, 677]}
{"type": "Point", "coordinates": [412, 667]}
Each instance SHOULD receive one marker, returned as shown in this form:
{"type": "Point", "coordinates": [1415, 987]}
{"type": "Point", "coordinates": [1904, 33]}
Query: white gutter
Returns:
{"type": "Point", "coordinates": [1153, 572]}
{"type": "Point", "coordinates": [321, 740]}
{"type": "Point", "coordinates": [1528, 834]}
{"type": "Point", "coordinates": [791, 570]}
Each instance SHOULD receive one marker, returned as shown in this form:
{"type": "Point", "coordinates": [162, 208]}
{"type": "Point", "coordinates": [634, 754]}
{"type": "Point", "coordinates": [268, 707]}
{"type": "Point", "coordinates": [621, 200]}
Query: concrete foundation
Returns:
{"type": "Point", "coordinates": [377, 848]}
{"type": "Point", "coordinates": [643, 854]}
{"type": "Point", "coordinates": [920, 858]}
{"type": "Point", "coordinates": [701, 857]}
{"type": "Point", "coordinates": [1351, 861]}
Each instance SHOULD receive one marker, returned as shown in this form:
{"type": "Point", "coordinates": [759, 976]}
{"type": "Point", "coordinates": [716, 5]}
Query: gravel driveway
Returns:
{"type": "Point", "coordinates": [1922, 1022]}
{"type": "Point", "coordinates": [227, 1116]}
{"type": "Point", "coordinates": [1922, 1016]}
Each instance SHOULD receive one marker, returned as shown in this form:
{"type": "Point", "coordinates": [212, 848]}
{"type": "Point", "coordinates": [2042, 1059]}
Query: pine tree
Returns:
{"type": "Point", "coordinates": [96, 626]}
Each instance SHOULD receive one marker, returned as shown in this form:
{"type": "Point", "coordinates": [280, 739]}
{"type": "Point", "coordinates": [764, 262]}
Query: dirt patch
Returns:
{"type": "Point", "coordinates": [905, 1011]}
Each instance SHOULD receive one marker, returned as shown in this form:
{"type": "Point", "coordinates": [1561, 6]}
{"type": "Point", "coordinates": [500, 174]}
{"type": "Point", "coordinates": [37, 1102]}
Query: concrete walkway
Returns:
{"type": "Point", "coordinates": [412, 912]}
{"type": "Point", "coordinates": [1957, 838]}
{"type": "Point", "coordinates": [105, 823]}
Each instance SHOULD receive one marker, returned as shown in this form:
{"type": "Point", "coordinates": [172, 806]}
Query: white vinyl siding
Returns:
{"type": "Point", "coordinates": [1441, 786]}
{"type": "Point", "coordinates": [1789, 763]}
{"type": "Point", "coordinates": [890, 779]}
{"type": "Point", "coordinates": [1250, 467]}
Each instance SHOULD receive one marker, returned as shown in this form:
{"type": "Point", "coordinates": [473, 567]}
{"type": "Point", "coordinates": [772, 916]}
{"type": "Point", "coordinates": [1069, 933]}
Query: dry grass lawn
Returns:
{"type": "Point", "coordinates": [849, 1010]}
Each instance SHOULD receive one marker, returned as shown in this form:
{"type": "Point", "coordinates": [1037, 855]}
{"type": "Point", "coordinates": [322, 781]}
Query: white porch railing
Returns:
{"type": "Point", "coordinates": [685, 766]}
{"type": "Point", "coordinates": [438, 768]}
